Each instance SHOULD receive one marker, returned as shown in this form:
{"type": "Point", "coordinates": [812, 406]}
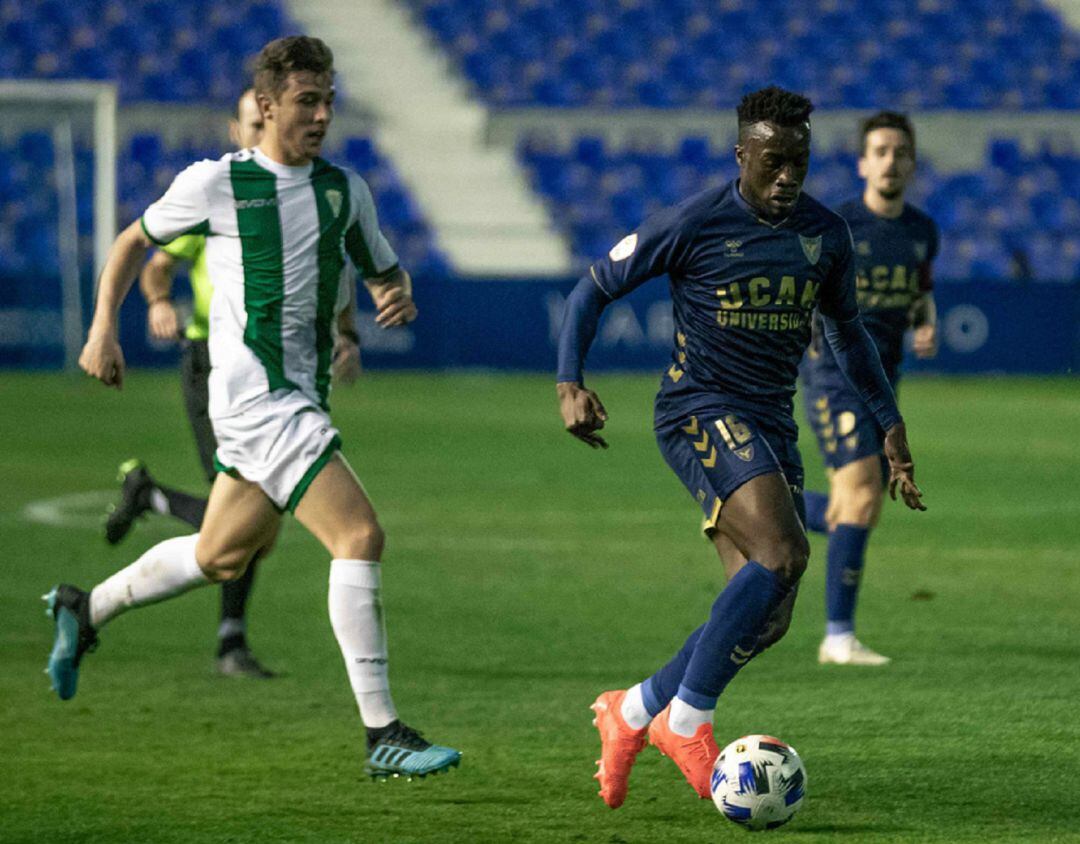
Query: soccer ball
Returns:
{"type": "Point", "coordinates": [758, 782]}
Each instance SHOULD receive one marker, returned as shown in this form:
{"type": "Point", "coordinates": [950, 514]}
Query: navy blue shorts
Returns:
{"type": "Point", "coordinates": [845, 428]}
{"type": "Point", "coordinates": [716, 450]}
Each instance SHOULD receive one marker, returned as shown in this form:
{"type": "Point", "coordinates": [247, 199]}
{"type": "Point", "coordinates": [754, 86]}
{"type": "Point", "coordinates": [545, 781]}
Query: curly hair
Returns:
{"type": "Point", "coordinates": [774, 105]}
{"type": "Point", "coordinates": [887, 120]}
{"type": "Point", "coordinates": [283, 56]}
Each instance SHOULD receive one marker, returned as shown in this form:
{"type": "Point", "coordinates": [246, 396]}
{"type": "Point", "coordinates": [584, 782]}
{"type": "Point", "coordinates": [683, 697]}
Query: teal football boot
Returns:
{"type": "Point", "coordinates": [69, 608]}
{"type": "Point", "coordinates": [397, 750]}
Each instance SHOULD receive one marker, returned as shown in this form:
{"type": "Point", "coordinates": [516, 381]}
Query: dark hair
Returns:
{"type": "Point", "coordinates": [886, 120]}
{"type": "Point", "coordinates": [287, 55]}
{"type": "Point", "coordinates": [774, 105]}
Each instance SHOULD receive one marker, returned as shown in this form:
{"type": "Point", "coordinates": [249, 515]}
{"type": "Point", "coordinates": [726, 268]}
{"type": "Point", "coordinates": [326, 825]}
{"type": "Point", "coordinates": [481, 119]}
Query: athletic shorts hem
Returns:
{"type": "Point", "coordinates": [313, 470]}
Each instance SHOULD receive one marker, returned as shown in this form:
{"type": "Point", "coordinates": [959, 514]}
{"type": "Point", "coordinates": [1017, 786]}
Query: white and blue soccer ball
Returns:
{"type": "Point", "coordinates": [758, 782]}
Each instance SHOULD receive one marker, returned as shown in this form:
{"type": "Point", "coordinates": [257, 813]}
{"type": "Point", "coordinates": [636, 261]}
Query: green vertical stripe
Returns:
{"type": "Point", "coordinates": [358, 250]}
{"type": "Point", "coordinates": [255, 192]}
{"type": "Point", "coordinates": [332, 202]}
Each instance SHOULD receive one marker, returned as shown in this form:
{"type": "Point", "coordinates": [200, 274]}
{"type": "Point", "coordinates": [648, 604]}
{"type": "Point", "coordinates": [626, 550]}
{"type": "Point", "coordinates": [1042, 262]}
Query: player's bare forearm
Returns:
{"type": "Point", "coordinates": [155, 283]}
{"type": "Point", "coordinates": [101, 357]}
{"type": "Point", "coordinates": [902, 468]}
{"type": "Point", "coordinates": [392, 295]}
{"type": "Point", "coordinates": [121, 267]}
{"type": "Point", "coordinates": [582, 412]}
{"type": "Point", "coordinates": [924, 323]}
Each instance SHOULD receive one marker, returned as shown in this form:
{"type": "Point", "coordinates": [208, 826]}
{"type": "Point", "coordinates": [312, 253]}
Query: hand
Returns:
{"type": "Point", "coordinates": [162, 319]}
{"type": "Point", "coordinates": [582, 413]}
{"type": "Point", "coordinates": [393, 299]}
{"type": "Point", "coordinates": [101, 358]}
{"type": "Point", "coordinates": [925, 341]}
{"type": "Point", "coordinates": [902, 468]}
{"type": "Point", "coordinates": [346, 366]}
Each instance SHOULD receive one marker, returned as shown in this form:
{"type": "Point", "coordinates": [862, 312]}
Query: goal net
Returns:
{"type": "Point", "coordinates": [57, 213]}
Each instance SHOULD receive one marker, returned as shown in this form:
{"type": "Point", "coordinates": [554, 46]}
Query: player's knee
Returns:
{"type": "Point", "coordinates": [859, 505]}
{"type": "Point", "coordinates": [221, 566]}
{"type": "Point", "coordinates": [788, 558]}
{"type": "Point", "coordinates": [362, 541]}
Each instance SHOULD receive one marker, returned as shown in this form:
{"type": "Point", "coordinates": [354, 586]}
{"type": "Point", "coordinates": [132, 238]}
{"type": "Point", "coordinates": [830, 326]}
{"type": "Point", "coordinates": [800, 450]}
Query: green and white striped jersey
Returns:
{"type": "Point", "coordinates": [277, 239]}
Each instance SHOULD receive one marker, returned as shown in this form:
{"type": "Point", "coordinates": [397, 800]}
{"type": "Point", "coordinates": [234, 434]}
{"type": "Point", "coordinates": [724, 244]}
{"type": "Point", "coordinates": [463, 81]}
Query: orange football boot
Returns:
{"type": "Point", "coordinates": [695, 756]}
{"type": "Point", "coordinates": [619, 747]}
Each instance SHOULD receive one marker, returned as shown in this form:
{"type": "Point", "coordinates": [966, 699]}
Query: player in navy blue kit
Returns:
{"type": "Point", "coordinates": [894, 247]}
{"type": "Point", "coordinates": [747, 263]}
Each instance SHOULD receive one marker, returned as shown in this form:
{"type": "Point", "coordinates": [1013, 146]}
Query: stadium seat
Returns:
{"type": "Point", "coordinates": [849, 53]}
{"type": "Point", "coordinates": [1016, 217]}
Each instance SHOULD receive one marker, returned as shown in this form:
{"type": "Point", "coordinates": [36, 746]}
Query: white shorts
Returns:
{"type": "Point", "coordinates": [280, 441]}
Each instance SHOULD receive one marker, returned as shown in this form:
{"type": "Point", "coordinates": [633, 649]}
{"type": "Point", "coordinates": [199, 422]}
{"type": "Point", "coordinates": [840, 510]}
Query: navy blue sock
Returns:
{"type": "Point", "coordinates": [847, 547]}
{"type": "Point", "coordinates": [660, 688]}
{"type": "Point", "coordinates": [727, 641]}
{"type": "Point", "coordinates": [816, 505]}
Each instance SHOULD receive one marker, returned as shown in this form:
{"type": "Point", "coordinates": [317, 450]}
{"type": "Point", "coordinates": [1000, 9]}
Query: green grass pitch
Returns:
{"type": "Point", "coordinates": [524, 574]}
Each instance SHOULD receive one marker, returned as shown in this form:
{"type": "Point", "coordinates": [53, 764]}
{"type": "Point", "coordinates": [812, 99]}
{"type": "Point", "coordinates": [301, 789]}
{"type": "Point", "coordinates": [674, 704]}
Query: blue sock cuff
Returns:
{"type": "Point", "coordinates": [766, 578]}
{"type": "Point", "coordinates": [696, 699]}
{"type": "Point", "coordinates": [851, 532]}
{"type": "Point", "coordinates": [649, 696]}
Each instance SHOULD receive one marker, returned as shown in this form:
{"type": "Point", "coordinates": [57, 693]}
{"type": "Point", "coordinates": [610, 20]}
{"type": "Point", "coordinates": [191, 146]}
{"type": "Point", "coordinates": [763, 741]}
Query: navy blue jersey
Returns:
{"type": "Point", "coordinates": [892, 269]}
{"type": "Point", "coordinates": [744, 289]}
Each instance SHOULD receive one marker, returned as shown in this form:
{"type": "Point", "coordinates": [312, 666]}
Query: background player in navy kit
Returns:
{"type": "Point", "coordinates": [748, 263]}
{"type": "Point", "coordinates": [894, 247]}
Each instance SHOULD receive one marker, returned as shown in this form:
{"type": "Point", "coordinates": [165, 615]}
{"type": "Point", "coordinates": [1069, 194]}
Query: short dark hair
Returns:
{"type": "Point", "coordinates": [287, 55]}
{"type": "Point", "coordinates": [886, 120]}
{"type": "Point", "coordinates": [774, 105]}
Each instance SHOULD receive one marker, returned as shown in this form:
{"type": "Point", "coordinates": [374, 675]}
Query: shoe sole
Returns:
{"type": "Point", "coordinates": [61, 668]}
{"type": "Point", "coordinates": [384, 776]}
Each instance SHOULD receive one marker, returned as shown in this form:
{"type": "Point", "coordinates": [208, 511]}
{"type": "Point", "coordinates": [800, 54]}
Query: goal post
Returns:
{"type": "Point", "coordinates": [68, 110]}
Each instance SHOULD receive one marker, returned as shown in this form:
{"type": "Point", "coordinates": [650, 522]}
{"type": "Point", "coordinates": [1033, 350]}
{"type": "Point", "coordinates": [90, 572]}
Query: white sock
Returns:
{"type": "Point", "coordinates": [159, 503]}
{"type": "Point", "coordinates": [167, 569]}
{"type": "Point", "coordinates": [685, 719]}
{"type": "Point", "coordinates": [633, 709]}
{"type": "Point", "coordinates": [357, 618]}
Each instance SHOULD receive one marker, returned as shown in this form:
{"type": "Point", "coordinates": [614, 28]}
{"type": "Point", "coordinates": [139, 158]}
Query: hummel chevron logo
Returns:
{"type": "Point", "coordinates": [740, 656]}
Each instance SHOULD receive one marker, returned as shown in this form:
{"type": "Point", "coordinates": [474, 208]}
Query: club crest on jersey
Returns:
{"type": "Point", "coordinates": [733, 249]}
{"type": "Point", "coordinates": [811, 247]}
{"type": "Point", "coordinates": [863, 247]}
{"type": "Point", "coordinates": [624, 248]}
{"type": "Point", "coordinates": [921, 250]}
{"type": "Point", "coordinates": [333, 199]}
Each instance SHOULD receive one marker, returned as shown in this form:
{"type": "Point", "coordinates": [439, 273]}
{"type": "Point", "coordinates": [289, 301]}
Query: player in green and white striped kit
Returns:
{"type": "Point", "coordinates": [279, 223]}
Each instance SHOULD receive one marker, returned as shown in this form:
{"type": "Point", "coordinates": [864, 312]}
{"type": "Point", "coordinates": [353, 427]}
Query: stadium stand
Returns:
{"type": "Point", "coordinates": [1017, 217]}
{"type": "Point", "coordinates": [155, 51]}
{"type": "Point", "coordinates": [28, 203]}
{"type": "Point", "coordinates": [929, 54]}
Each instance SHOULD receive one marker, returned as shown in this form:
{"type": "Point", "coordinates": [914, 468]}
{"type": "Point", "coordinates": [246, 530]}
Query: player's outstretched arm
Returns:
{"type": "Point", "coordinates": [582, 411]}
{"type": "Point", "coordinates": [101, 357]}
{"type": "Point", "coordinates": [392, 295]}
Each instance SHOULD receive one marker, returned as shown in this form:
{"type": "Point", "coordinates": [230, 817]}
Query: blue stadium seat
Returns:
{"type": "Point", "coordinates": [1017, 217]}
{"type": "Point", "coordinates": [850, 54]}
